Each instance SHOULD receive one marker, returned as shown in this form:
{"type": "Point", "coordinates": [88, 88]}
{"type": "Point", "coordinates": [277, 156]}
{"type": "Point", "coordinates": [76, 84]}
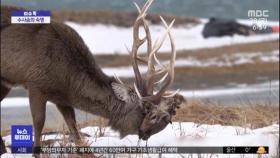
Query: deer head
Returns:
{"type": "Point", "coordinates": [149, 92]}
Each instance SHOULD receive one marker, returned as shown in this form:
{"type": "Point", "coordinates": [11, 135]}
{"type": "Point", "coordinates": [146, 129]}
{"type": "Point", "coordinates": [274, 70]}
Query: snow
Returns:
{"type": "Point", "coordinates": [109, 39]}
{"type": "Point", "coordinates": [245, 89]}
{"type": "Point", "coordinates": [14, 102]}
{"type": "Point", "coordinates": [225, 60]}
{"type": "Point", "coordinates": [189, 134]}
{"type": "Point", "coordinates": [229, 60]}
{"type": "Point", "coordinates": [8, 155]}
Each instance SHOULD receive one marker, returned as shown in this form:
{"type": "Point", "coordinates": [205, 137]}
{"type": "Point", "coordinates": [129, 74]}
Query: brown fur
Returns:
{"type": "Point", "coordinates": [53, 64]}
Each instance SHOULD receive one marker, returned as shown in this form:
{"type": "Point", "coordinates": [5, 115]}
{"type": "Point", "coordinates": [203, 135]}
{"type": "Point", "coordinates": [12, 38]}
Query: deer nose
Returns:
{"type": "Point", "coordinates": [143, 135]}
{"type": "Point", "coordinates": [140, 134]}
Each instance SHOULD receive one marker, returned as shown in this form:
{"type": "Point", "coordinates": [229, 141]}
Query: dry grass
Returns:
{"type": "Point", "coordinates": [252, 116]}
{"type": "Point", "coordinates": [200, 54]}
{"type": "Point", "coordinates": [248, 114]}
{"type": "Point", "coordinates": [194, 78]}
{"type": "Point", "coordinates": [248, 67]}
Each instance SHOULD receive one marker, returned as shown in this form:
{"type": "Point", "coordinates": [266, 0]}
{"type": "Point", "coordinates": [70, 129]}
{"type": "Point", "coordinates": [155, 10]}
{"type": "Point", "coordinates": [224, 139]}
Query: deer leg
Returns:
{"type": "Point", "coordinates": [4, 91]}
{"type": "Point", "coordinates": [68, 114]}
{"type": "Point", "coordinates": [37, 102]}
{"type": "Point", "coordinates": [3, 148]}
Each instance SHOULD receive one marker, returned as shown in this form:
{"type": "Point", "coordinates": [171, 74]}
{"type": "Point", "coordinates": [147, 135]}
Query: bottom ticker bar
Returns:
{"type": "Point", "coordinates": [153, 150]}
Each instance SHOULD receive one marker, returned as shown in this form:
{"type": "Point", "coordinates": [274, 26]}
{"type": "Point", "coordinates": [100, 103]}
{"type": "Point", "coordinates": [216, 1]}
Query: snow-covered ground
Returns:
{"type": "Point", "coordinates": [269, 87]}
{"type": "Point", "coordinates": [111, 39]}
{"type": "Point", "coordinates": [185, 134]}
{"type": "Point", "coordinates": [224, 61]}
{"type": "Point", "coordinates": [230, 60]}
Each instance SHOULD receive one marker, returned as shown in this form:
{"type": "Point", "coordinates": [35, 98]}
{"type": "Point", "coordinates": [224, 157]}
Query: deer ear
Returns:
{"type": "Point", "coordinates": [179, 99]}
{"type": "Point", "coordinates": [121, 91]}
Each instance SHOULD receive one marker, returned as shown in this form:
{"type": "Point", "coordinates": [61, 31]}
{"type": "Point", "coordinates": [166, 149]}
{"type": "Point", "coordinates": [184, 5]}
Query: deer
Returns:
{"type": "Point", "coordinates": [52, 62]}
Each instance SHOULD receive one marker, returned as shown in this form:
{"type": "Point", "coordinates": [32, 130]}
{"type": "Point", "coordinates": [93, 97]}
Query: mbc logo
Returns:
{"type": "Point", "coordinates": [258, 13]}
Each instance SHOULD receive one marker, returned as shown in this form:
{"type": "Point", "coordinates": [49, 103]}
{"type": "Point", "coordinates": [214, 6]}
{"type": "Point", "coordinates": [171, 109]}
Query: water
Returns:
{"type": "Point", "coordinates": [198, 8]}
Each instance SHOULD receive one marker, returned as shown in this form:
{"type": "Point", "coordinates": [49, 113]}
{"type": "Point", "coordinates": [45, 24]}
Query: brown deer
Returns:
{"type": "Point", "coordinates": [53, 63]}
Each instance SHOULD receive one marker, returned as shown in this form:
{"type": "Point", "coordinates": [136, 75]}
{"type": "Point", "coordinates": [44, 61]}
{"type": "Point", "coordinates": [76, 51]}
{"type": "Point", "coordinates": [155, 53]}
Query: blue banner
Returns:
{"type": "Point", "coordinates": [31, 13]}
{"type": "Point", "coordinates": [21, 138]}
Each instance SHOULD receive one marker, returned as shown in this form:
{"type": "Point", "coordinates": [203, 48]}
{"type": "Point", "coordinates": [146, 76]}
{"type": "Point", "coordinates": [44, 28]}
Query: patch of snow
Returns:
{"type": "Point", "coordinates": [53, 137]}
{"type": "Point", "coordinates": [9, 155]}
{"type": "Point", "coordinates": [230, 60]}
{"type": "Point", "coordinates": [225, 60]}
{"type": "Point", "coordinates": [191, 134]}
{"type": "Point", "coordinates": [13, 102]}
{"type": "Point", "coordinates": [238, 89]}
{"type": "Point", "coordinates": [109, 39]}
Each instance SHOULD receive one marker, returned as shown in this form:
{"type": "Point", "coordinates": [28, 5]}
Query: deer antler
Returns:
{"type": "Point", "coordinates": [137, 42]}
{"type": "Point", "coordinates": [145, 88]}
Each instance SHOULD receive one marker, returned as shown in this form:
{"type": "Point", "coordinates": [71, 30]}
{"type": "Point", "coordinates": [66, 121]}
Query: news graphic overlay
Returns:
{"type": "Point", "coordinates": [30, 17]}
{"type": "Point", "coordinates": [21, 138]}
{"type": "Point", "coordinates": [259, 19]}
{"type": "Point", "coordinates": [155, 150]}
{"type": "Point", "coordinates": [246, 150]}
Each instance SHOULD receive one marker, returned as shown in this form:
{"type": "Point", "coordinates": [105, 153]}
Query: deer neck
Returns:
{"type": "Point", "coordinates": [123, 117]}
{"type": "Point", "coordinates": [100, 100]}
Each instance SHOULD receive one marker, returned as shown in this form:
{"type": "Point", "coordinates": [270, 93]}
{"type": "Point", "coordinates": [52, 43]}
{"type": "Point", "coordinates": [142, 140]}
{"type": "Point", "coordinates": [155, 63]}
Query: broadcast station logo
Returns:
{"type": "Point", "coordinates": [21, 138]}
{"type": "Point", "coordinates": [259, 19]}
{"type": "Point", "coordinates": [31, 17]}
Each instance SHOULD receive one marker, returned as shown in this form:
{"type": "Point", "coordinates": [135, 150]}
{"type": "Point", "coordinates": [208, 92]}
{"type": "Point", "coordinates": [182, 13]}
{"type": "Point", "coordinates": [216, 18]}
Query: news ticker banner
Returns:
{"type": "Point", "coordinates": [154, 150]}
{"type": "Point", "coordinates": [30, 17]}
{"type": "Point", "coordinates": [22, 143]}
